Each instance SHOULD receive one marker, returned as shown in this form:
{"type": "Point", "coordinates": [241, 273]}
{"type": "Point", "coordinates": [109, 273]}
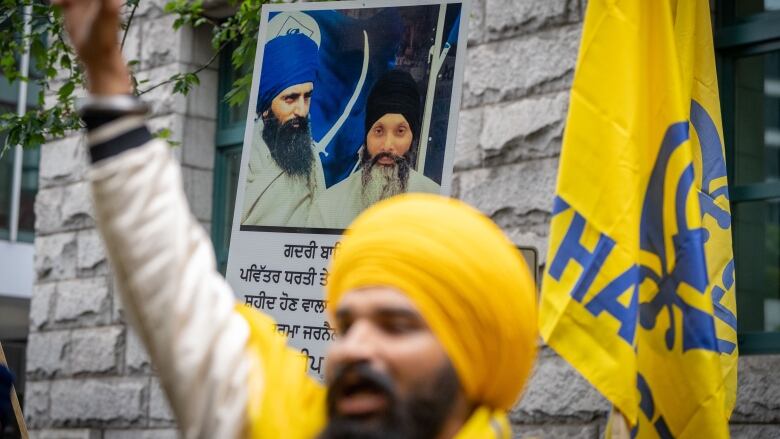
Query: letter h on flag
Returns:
{"type": "Point", "coordinates": [639, 291]}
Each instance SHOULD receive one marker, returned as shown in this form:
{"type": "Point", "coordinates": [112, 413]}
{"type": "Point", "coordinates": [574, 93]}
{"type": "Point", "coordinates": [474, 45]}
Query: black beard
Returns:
{"type": "Point", "coordinates": [290, 144]}
{"type": "Point", "coordinates": [419, 416]}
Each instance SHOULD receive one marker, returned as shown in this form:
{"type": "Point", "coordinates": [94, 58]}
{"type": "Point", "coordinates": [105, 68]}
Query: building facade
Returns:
{"type": "Point", "coordinates": [87, 375]}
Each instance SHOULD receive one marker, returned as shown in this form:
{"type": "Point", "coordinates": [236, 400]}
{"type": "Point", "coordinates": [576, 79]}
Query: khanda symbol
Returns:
{"type": "Point", "coordinates": [713, 171]}
{"type": "Point", "coordinates": [698, 327]}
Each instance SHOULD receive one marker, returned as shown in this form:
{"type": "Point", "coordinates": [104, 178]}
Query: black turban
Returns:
{"type": "Point", "coordinates": [394, 93]}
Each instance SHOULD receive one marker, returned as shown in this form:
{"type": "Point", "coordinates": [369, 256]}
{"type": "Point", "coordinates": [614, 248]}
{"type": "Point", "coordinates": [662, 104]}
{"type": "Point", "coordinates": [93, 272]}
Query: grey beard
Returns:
{"type": "Point", "coordinates": [380, 182]}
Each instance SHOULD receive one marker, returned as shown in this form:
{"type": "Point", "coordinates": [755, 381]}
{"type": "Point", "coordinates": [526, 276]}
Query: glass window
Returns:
{"type": "Point", "coordinates": [231, 120]}
{"type": "Point", "coordinates": [29, 182]}
{"type": "Point", "coordinates": [756, 231]}
{"type": "Point", "coordinates": [757, 124]}
{"type": "Point", "coordinates": [747, 8]}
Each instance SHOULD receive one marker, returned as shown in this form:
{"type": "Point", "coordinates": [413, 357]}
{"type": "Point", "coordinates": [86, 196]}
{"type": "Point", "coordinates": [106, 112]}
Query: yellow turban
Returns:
{"type": "Point", "coordinates": [469, 282]}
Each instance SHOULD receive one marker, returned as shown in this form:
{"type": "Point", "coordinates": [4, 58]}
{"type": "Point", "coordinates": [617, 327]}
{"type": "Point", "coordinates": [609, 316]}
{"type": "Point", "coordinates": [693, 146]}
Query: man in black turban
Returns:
{"type": "Point", "coordinates": [387, 158]}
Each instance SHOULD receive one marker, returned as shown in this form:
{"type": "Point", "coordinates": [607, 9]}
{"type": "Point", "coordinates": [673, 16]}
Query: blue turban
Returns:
{"type": "Point", "coordinates": [288, 60]}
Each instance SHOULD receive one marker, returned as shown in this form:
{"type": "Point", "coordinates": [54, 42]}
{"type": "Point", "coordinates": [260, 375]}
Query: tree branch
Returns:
{"type": "Point", "coordinates": [194, 72]}
{"type": "Point", "coordinates": [127, 25]}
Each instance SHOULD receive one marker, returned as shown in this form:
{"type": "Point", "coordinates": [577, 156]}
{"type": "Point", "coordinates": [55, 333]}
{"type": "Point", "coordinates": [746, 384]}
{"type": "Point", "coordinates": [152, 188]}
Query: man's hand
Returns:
{"type": "Point", "coordinates": [92, 26]}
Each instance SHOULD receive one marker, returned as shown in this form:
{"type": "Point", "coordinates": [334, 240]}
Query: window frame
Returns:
{"type": "Point", "coordinates": [736, 38]}
{"type": "Point", "coordinates": [229, 138]}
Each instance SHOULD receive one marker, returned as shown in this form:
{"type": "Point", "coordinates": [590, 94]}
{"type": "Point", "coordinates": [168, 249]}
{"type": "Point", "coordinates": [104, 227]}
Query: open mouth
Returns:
{"type": "Point", "coordinates": [361, 399]}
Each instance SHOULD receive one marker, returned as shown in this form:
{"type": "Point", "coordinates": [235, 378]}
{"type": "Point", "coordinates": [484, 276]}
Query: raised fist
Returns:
{"type": "Point", "coordinates": [93, 27]}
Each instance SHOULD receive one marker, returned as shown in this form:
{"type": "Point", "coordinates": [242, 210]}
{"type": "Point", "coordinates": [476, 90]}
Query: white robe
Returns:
{"type": "Point", "coordinates": [340, 204]}
{"type": "Point", "coordinates": [271, 196]}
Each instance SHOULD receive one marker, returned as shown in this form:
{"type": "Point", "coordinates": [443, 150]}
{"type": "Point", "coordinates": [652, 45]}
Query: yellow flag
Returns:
{"type": "Point", "coordinates": [638, 292]}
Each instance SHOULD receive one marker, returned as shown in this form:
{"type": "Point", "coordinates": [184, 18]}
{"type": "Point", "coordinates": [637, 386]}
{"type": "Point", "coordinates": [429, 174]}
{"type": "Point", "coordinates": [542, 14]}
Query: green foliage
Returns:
{"type": "Point", "coordinates": [165, 134]}
{"type": "Point", "coordinates": [51, 65]}
{"type": "Point", "coordinates": [54, 66]}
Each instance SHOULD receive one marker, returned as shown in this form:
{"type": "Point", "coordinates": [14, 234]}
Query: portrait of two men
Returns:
{"type": "Point", "coordinates": [352, 107]}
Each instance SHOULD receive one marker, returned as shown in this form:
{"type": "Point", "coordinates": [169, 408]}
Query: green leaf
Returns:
{"type": "Point", "coordinates": [66, 90]}
{"type": "Point", "coordinates": [65, 62]}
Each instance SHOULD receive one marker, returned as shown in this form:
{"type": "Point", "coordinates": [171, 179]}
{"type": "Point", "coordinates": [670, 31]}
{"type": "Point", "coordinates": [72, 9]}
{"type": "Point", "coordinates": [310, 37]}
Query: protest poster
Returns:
{"type": "Point", "coordinates": [351, 102]}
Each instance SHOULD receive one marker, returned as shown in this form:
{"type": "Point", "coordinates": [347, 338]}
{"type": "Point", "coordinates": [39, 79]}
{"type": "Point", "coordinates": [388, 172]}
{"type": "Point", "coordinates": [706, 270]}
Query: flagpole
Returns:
{"type": "Point", "coordinates": [617, 426]}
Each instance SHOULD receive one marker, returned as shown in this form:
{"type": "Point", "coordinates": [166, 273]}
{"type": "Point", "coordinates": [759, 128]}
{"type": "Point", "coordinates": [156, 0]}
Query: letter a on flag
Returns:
{"type": "Point", "coordinates": [638, 294]}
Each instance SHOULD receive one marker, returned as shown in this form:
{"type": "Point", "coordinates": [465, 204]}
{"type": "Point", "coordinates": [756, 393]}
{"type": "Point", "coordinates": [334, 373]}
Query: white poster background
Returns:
{"type": "Point", "coordinates": [277, 284]}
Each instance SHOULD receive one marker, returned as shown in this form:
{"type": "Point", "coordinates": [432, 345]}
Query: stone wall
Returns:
{"type": "Point", "coordinates": [88, 376]}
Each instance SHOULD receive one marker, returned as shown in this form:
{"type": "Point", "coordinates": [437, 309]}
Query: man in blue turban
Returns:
{"type": "Point", "coordinates": [284, 174]}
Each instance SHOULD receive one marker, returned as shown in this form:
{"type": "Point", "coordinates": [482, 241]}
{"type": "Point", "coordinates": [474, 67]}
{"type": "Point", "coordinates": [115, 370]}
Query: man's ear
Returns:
{"type": "Point", "coordinates": [265, 113]}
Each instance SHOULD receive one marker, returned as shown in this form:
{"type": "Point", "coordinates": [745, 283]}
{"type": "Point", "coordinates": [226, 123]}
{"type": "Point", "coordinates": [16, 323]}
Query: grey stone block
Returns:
{"type": "Point", "coordinates": [117, 402]}
{"type": "Point", "coordinates": [79, 433]}
{"type": "Point", "coordinates": [95, 350]}
{"type": "Point", "coordinates": [77, 206]}
{"type": "Point", "coordinates": [557, 392]}
{"type": "Point", "coordinates": [92, 259]}
{"type": "Point", "coordinates": [198, 147]}
{"type": "Point", "coordinates": [162, 99]}
{"type": "Point", "coordinates": [48, 216]}
{"type": "Point", "coordinates": [47, 353]}
{"type": "Point", "coordinates": [468, 151]}
{"type": "Point", "coordinates": [517, 196]}
{"type": "Point", "coordinates": [477, 22]}
{"type": "Point", "coordinates": [55, 256]}
{"type": "Point", "coordinates": [758, 390]}
{"type": "Point", "coordinates": [36, 402]}
{"type": "Point", "coordinates": [161, 44]}
{"type": "Point", "coordinates": [196, 48]}
{"type": "Point", "coordinates": [528, 129]}
{"type": "Point", "coordinates": [136, 358]}
{"type": "Point", "coordinates": [754, 431]}
{"type": "Point", "coordinates": [160, 414]}
{"type": "Point", "coordinates": [64, 208]}
{"type": "Point", "coordinates": [200, 102]}
{"type": "Point", "coordinates": [83, 301]}
{"type": "Point", "coordinates": [157, 433]}
{"type": "Point", "coordinates": [512, 69]}
{"type": "Point", "coordinates": [63, 161]}
{"type": "Point", "coordinates": [198, 186]}
{"type": "Point", "coordinates": [556, 431]}
{"type": "Point", "coordinates": [41, 305]}
{"type": "Point", "coordinates": [202, 99]}
{"type": "Point", "coordinates": [509, 18]}
{"type": "Point", "coordinates": [150, 9]}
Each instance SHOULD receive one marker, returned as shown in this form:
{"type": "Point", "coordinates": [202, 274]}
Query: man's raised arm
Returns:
{"type": "Point", "coordinates": [162, 259]}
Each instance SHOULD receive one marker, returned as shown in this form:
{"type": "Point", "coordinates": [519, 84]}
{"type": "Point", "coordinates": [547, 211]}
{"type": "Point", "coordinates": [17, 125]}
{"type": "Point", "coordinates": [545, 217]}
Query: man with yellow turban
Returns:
{"type": "Point", "coordinates": [434, 307]}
